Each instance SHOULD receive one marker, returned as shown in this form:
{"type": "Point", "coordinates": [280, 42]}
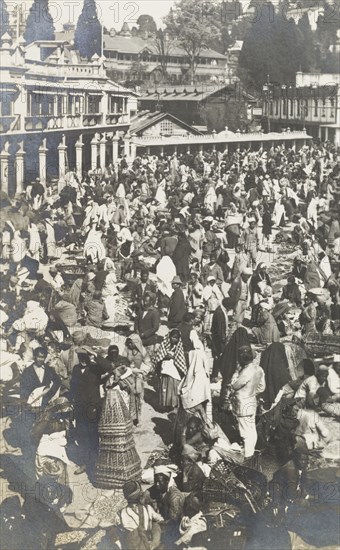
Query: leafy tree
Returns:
{"type": "Point", "coordinates": [163, 48]}
{"type": "Point", "coordinates": [88, 35]}
{"type": "Point", "coordinates": [192, 23]}
{"type": "Point", "coordinates": [39, 24]}
{"type": "Point", "coordinates": [146, 24]}
{"type": "Point", "coordinates": [4, 18]}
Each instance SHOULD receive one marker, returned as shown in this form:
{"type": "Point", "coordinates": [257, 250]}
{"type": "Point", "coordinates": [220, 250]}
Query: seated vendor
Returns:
{"type": "Point", "coordinates": [164, 496]}
{"type": "Point", "coordinates": [308, 388]}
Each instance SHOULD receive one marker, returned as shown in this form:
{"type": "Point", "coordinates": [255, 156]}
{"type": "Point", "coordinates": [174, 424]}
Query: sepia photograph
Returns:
{"type": "Point", "coordinates": [170, 274]}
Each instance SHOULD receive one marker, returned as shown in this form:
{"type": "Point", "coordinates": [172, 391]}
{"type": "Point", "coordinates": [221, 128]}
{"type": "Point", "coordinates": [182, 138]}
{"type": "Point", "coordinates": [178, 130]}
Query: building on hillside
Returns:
{"type": "Point", "coordinates": [136, 58]}
{"type": "Point", "coordinates": [57, 114]}
{"type": "Point", "coordinates": [313, 103]}
{"type": "Point", "coordinates": [200, 105]}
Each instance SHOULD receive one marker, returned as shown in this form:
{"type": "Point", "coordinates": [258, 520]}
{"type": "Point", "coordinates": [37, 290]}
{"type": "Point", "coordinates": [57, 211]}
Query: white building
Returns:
{"type": "Point", "coordinates": [58, 114]}
{"type": "Point", "coordinates": [313, 103]}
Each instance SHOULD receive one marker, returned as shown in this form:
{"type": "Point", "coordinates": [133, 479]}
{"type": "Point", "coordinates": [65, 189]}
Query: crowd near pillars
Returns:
{"type": "Point", "coordinates": [42, 162]}
{"type": "Point", "coordinates": [94, 152]}
{"type": "Point", "coordinates": [4, 161]}
{"type": "Point", "coordinates": [102, 152]}
{"type": "Point", "coordinates": [19, 168]}
{"type": "Point", "coordinates": [62, 157]}
{"type": "Point", "coordinates": [79, 156]}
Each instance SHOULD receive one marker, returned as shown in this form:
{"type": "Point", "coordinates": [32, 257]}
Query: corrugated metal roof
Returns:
{"type": "Point", "coordinates": [189, 93]}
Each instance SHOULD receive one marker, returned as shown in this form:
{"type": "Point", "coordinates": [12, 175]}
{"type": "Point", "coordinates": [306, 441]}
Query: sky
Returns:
{"type": "Point", "coordinates": [112, 13]}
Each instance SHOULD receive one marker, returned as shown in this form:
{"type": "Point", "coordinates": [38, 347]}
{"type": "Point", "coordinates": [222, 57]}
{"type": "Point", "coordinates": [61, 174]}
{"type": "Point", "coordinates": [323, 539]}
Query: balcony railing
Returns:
{"type": "Point", "coordinates": [92, 119]}
{"type": "Point", "coordinates": [117, 118]}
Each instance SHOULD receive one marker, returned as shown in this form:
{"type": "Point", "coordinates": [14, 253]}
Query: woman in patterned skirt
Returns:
{"type": "Point", "coordinates": [118, 460]}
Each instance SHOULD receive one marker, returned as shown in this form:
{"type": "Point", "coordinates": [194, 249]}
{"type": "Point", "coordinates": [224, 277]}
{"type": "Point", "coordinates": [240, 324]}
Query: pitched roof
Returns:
{"type": "Point", "coordinates": [136, 44]}
{"type": "Point", "coordinates": [145, 119]}
{"type": "Point", "coordinates": [195, 93]}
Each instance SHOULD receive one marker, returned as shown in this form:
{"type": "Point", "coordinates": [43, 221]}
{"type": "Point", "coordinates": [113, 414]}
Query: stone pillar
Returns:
{"type": "Point", "coordinates": [62, 157]}
{"type": "Point", "coordinates": [133, 147]}
{"type": "Point", "coordinates": [201, 148]}
{"type": "Point", "coordinates": [162, 149]}
{"type": "Point", "coordinates": [102, 152]}
{"type": "Point", "coordinates": [79, 156]}
{"type": "Point", "coordinates": [42, 162]}
{"type": "Point", "coordinates": [127, 145]}
{"type": "Point", "coordinates": [148, 149]}
{"type": "Point", "coordinates": [115, 141]}
{"type": "Point", "coordinates": [94, 152]}
{"type": "Point", "coordinates": [4, 162]}
{"type": "Point", "coordinates": [175, 149]}
{"type": "Point", "coordinates": [326, 133]}
{"type": "Point", "coordinates": [20, 169]}
{"type": "Point", "coordinates": [188, 149]}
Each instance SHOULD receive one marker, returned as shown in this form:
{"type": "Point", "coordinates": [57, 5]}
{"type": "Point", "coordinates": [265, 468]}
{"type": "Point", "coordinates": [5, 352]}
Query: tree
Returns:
{"type": "Point", "coordinates": [88, 35]}
{"type": "Point", "coordinates": [271, 47]}
{"type": "Point", "coordinates": [307, 49]}
{"type": "Point", "coordinates": [162, 46]}
{"type": "Point", "coordinates": [39, 24]}
{"type": "Point", "coordinates": [146, 24]}
{"type": "Point", "coordinates": [230, 111]}
{"type": "Point", "coordinates": [191, 23]}
{"type": "Point", "coordinates": [4, 18]}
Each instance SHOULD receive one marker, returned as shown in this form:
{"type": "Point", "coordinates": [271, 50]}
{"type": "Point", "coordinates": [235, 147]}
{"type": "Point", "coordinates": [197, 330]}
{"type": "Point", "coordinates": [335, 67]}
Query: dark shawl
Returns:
{"type": "Point", "coordinates": [230, 356]}
{"type": "Point", "coordinates": [275, 365]}
{"type": "Point", "coordinates": [181, 257]}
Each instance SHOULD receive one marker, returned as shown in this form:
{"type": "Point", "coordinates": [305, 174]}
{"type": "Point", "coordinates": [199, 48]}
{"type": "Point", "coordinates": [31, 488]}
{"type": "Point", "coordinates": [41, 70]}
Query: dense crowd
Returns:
{"type": "Point", "coordinates": [164, 274]}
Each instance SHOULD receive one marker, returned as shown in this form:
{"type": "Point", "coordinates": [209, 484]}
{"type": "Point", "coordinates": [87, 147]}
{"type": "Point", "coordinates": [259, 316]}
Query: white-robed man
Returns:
{"type": "Point", "coordinates": [249, 383]}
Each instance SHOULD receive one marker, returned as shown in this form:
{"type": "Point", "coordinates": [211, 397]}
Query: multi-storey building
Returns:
{"type": "Point", "coordinates": [313, 103]}
{"type": "Point", "coordinates": [131, 57]}
{"type": "Point", "coordinates": [57, 114]}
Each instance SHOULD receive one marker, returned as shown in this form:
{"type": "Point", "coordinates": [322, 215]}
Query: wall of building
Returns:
{"type": "Point", "coordinates": [165, 127]}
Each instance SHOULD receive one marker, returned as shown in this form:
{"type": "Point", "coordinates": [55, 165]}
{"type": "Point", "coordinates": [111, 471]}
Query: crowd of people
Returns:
{"type": "Point", "coordinates": [164, 274]}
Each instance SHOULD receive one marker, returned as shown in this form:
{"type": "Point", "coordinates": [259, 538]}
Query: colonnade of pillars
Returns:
{"type": "Point", "coordinates": [98, 147]}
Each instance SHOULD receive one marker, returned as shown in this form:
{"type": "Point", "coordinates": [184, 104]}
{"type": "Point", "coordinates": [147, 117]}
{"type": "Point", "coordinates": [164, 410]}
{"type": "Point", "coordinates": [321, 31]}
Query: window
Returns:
{"type": "Point", "coordinates": [166, 127]}
{"type": "Point", "coordinates": [271, 108]}
{"type": "Point", "coordinates": [94, 104]}
{"type": "Point", "coordinates": [284, 107]}
{"type": "Point", "coordinates": [298, 108]}
{"type": "Point", "coordinates": [291, 101]}
{"type": "Point", "coordinates": [331, 102]}
{"type": "Point", "coordinates": [323, 111]}
{"type": "Point", "coordinates": [315, 107]}
{"type": "Point", "coordinates": [60, 105]}
{"type": "Point", "coordinates": [276, 107]}
{"type": "Point", "coordinates": [306, 108]}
